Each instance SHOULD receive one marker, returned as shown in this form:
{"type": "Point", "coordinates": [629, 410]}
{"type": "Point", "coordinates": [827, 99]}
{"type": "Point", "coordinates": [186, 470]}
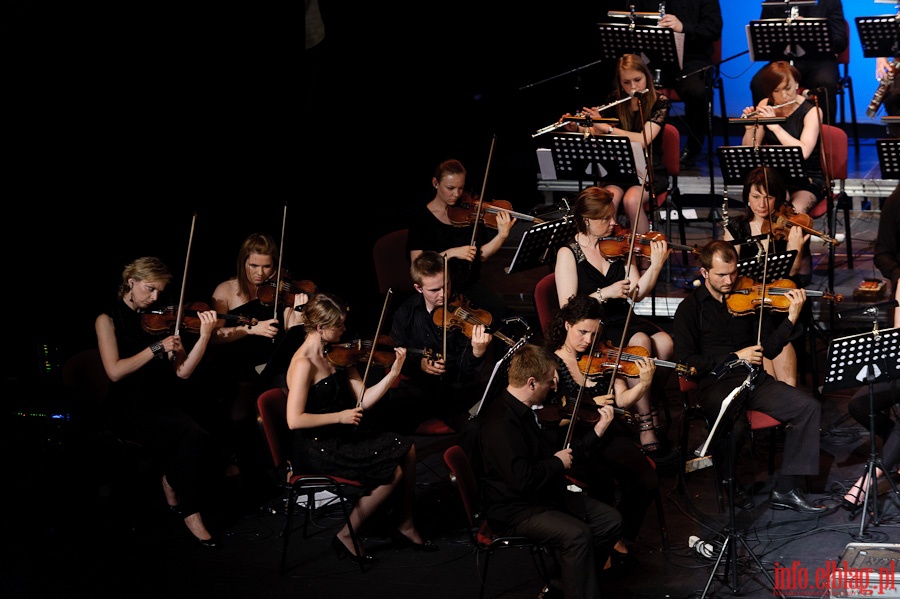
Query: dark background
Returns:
{"type": "Point", "coordinates": [124, 124]}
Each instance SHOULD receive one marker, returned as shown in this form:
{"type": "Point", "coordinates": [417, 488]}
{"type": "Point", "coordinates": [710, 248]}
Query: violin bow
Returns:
{"type": "Point", "coordinates": [612, 380]}
{"type": "Point", "coordinates": [446, 286]}
{"type": "Point", "coordinates": [278, 273]}
{"type": "Point", "coordinates": [481, 197]}
{"type": "Point", "coordinates": [571, 429]}
{"type": "Point", "coordinates": [387, 300]}
{"type": "Point", "coordinates": [180, 314]}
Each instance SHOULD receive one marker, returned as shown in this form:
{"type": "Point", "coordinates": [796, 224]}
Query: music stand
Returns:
{"type": "Point", "coordinates": [786, 39]}
{"type": "Point", "coordinates": [539, 241]}
{"type": "Point", "coordinates": [497, 378]}
{"type": "Point", "coordinates": [889, 157]}
{"type": "Point", "coordinates": [878, 35]}
{"type": "Point", "coordinates": [779, 267]}
{"type": "Point", "coordinates": [610, 157]}
{"type": "Point", "coordinates": [658, 46]}
{"type": "Point", "coordinates": [731, 409]}
{"type": "Point", "coordinates": [868, 357]}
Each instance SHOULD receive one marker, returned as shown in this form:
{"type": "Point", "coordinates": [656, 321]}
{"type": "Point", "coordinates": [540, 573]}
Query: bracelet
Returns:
{"type": "Point", "coordinates": [158, 350]}
{"type": "Point", "coordinates": [600, 295]}
{"type": "Point", "coordinates": [610, 130]}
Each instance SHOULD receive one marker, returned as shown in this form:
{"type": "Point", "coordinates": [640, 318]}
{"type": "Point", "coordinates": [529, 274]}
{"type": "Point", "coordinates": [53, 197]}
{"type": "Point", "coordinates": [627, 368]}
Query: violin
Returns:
{"type": "Point", "coordinates": [618, 244]}
{"type": "Point", "coordinates": [287, 292]}
{"type": "Point", "coordinates": [559, 414]}
{"type": "Point", "coordinates": [747, 296]}
{"type": "Point", "coordinates": [605, 358]}
{"type": "Point", "coordinates": [784, 218]}
{"type": "Point", "coordinates": [469, 209]}
{"type": "Point", "coordinates": [358, 351]}
{"type": "Point", "coordinates": [461, 316]}
{"type": "Point", "coordinates": [161, 321]}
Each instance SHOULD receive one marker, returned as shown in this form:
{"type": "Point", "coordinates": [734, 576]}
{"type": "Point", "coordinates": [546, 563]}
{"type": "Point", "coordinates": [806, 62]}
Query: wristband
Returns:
{"type": "Point", "coordinates": [158, 350]}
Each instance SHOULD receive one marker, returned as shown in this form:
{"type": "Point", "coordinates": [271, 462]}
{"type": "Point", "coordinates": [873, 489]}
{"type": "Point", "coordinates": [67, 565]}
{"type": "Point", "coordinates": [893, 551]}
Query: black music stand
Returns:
{"type": "Point", "coordinates": [777, 266]}
{"type": "Point", "coordinates": [660, 47]}
{"type": "Point", "coordinates": [889, 157]}
{"type": "Point", "coordinates": [786, 39]}
{"type": "Point", "coordinates": [608, 157]}
{"type": "Point", "coordinates": [870, 358]}
{"type": "Point", "coordinates": [539, 243]}
{"type": "Point", "coordinates": [733, 407]}
{"type": "Point", "coordinates": [878, 36]}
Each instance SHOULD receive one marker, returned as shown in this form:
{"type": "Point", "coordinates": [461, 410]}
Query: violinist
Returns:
{"type": "Point", "coordinates": [582, 268]}
{"type": "Point", "coordinates": [780, 85]}
{"type": "Point", "coordinates": [641, 120]}
{"type": "Point", "coordinates": [433, 385]}
{"type": "Point", "coordinates": [523, 476]}
{"type": "Point", "coordinates": [326, 406]}
{"type": "Point", "coordinates": [616, 459]}
{"type": "Point", "coordinates": [722, 347]}
{"type": "Point", "coordinates": [148, 398]}
{"type": "Point", "coordinates": [239, 352]}
{"type": "Point", "coordinates": [431, 229]}
{"type": "Point", "coordinates": [765, 196]}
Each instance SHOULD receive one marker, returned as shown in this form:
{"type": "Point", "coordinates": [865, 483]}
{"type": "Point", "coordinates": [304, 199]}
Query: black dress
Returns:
{"type": "Point", "coordinates": [615, 310]}
{"type": "Point", "coordinates": [340, 449]}
{"type": "Point", "coordinates": [793, 124]}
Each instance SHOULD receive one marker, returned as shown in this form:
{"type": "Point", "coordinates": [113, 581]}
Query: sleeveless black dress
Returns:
{"type": "Point", "coordinates": [370, 457]}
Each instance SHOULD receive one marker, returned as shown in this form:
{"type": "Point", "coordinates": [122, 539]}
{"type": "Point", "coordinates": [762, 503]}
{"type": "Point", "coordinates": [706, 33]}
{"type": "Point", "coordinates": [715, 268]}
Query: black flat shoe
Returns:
{"type": "Point", "coordinates": [341, 552]}
{"type": "Point", "coordinates": [401, 541]}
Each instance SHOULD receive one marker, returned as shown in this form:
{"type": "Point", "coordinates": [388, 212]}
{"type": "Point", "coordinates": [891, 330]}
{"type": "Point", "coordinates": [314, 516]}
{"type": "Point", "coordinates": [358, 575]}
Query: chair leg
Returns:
{"type": "Point", "coordinates": [663, 531]}
{"type": "Point", "coordinates": [853, 115]}
{"type": "Point", "coordinates": [721, 87]}
{"type": "Point", "coordinates": [845, 204]}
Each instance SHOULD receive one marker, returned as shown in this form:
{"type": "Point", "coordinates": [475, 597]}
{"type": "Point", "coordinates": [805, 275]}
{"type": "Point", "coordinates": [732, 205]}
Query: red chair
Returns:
{"type": "Point", "coordinates": [834, 164]}
{"type": "Point", "coordinates": [546, 301]}
{"type": "Point", "coordinates": [717, 84]}
{"type": "Point", "coordinates": [759, 421]}
{"type": "Point", "coordinates": [484, 540]}
{"type": "Point", "coordinates": [392, 262]}
{"type": "Point", "coordinates": [671, 146]}
{"type": "Point", "coordinates": [272, 407]}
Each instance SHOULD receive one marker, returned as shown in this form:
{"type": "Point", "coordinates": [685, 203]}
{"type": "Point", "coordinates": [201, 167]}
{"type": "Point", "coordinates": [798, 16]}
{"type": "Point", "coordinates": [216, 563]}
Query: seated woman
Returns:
{"type": "Point", "coordinates": [801, 127]}
{"type": "Point", "coordinates": [583, 268]}
{"type": "Point", "coordinates": [325, 408]}
{"type": "Point", "coordinates": [765, 196]}
{"type": "Point", "coordinates": [885, 395]}
{"type": "Point", "coordinates": [641, 120]}
{"type": "Point", "coordinates": [617, 459]}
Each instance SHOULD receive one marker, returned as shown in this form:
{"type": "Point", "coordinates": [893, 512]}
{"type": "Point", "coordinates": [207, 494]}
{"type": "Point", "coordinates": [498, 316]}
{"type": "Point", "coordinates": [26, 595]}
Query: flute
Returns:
{"type": "Point", "coordinates": [756, 112]}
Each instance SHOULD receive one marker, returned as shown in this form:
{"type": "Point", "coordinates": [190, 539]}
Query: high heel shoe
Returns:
{"type": "Point", "coordinates": [210, 543]}
{"type": "Point", "coordinates": [852, 506]}
{"type": "Point", "coordinates": [401, 541]}
{"type": "Point", "coordinates": [341, 551]}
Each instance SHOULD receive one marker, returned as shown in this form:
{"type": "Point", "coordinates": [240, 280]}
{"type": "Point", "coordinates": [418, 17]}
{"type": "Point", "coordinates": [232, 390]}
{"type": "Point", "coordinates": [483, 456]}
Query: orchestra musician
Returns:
{"type": "Point", "coordinates": [431, 229]}
{"type": "Point", "coordinates": [641, 120]}
{"type": "Point", "coordinates": [616, 459]}
{"type": "Point", "coordinates": [885, 394]}
{"type": "Point", "coordinates": [240, 350]}
{"type": "Point", "coordinates": [887, 241]}
{"type": "Point", "coordinates": [724, 347]}
{"type": "Point", "coordinates": [765, 194]}
{"type": "Point", "coordinates": [433, 385]}
{"type": "Point", "coordinates": [582, 267]}
{"type": "Point", "coordinates": [522, 476]}
{"type": "Point", "coordinates": [148, 400]}
{"type": "Point", "coordinates": [701, 23]}
{"type": "Point", "coordinates": [325, 406]}
{"type": "Point", "coordinates": [886, 74]}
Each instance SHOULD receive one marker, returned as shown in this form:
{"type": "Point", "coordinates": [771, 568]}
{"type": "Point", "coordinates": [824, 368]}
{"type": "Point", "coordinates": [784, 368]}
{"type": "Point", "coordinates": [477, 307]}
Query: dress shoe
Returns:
{"type": "Point", "coordinates": [689, 156]}
{"type": "Point", "coordinates": [401, 541]}
{"type": "Point", "coordinates": [794, 500]}
{"type": "Point", "coordinates": [550, 592]}
{"type": "Point", "coordinates": [341, 551]}
{"type": "Point", "coordinates": [741, 499]}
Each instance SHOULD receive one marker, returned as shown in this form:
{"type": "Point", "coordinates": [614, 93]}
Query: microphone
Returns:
{"type": "Point", "coordinates": [641, 92]}
{"type": "Point", "coordinates": [802, 91]}
{"type": "Point", "coordinates": [870, 310]}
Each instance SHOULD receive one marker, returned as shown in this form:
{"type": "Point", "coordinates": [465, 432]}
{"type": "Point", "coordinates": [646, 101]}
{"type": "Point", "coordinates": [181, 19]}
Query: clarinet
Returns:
{"type": "Point", "coordinates": [878, 98]}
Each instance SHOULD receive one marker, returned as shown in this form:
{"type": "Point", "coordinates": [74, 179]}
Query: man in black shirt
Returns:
{"type": "Point", "coordinates": [723, 347]}
{"type": "Point", "coordinates": [523, 476]}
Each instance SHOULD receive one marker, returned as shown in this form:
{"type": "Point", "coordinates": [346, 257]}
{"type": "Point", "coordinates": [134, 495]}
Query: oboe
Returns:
{"type": "Point", "coordinates": [878, 98]}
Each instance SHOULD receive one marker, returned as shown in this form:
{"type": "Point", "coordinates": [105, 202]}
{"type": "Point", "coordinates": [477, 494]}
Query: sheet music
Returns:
{"type": "Point", "coordinates": [703, 450]}
{"type": "Point", "coordinates": [640, 162]}
{"type": "Point", "coordinates": [679, 48]}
